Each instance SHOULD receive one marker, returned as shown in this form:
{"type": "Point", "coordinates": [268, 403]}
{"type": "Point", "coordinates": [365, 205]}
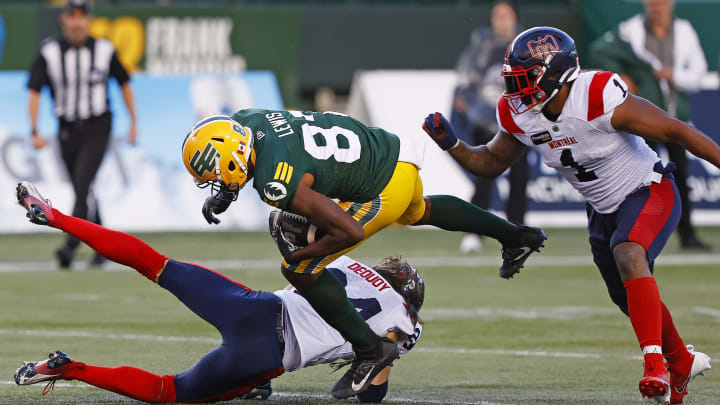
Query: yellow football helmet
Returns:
{"type": "Point", "coordinates": [216, 152]}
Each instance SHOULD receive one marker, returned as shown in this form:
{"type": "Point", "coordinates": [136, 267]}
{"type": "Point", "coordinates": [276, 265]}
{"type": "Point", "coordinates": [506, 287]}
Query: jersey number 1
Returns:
{"type": "Point", "coordinates": [583, 175]}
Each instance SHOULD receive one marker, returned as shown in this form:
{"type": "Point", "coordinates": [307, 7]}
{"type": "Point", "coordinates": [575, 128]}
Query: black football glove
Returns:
{"type": "Point", "coordinates": [216, 204]}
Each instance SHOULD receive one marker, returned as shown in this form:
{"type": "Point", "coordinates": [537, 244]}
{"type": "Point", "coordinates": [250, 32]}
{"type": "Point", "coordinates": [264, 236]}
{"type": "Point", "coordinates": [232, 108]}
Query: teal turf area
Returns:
{"type": "Point", "coordinates": [549, 336]}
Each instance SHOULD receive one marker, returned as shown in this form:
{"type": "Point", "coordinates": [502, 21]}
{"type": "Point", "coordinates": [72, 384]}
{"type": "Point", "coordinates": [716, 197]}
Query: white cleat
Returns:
{"type": "Point", "coordinates": [678, 384]}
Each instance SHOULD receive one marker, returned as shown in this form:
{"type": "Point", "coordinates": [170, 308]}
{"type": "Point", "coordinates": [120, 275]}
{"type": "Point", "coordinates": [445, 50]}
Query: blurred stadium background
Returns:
{"type": "Point", "coordinates": [550, 336]}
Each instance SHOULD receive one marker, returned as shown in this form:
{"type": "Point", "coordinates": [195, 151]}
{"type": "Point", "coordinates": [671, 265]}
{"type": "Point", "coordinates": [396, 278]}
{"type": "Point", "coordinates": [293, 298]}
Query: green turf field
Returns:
{"type": "Point", "coordinates": [549, 336]}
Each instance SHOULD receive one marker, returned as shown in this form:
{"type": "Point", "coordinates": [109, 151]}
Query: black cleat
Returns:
{"type": "Point", "coordinates": [531, 240]}
{"type": "Point", "coordinates": [261, 391]}
{"type": "Point", "coordinates": [65, 257]}
{"type": "Point", "coordinates": [363, 371]}
{"type": "Point", "coordinates": [97, 260]}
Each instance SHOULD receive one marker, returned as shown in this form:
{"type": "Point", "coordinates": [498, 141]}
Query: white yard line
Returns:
{"type": "Point", "coordinates": [214, 341]}
{"type": "Point", "coordinates": [560, 313]}
{"type": "Point", "coordinates": [537, 260]}
{"type": "Point", "coordinates": [715, 313]}
{"type": "Point", "coordinates": [522, 353]}
{"type": "Point", "coordinates": [108, 336]}
{"type": "Point", "coordinates": [156, 338]}
{"type": "Point", "coordinates": [300, 395]}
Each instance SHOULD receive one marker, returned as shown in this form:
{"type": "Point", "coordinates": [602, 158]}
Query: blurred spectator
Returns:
{"type": "Point", "coordinates": [660, 58]}
{"type": "Point", "coordinates": [77, 68]}
{"type": "Point", "coordinates": [480, 86]}
{"type": "Point", "coordinates": [325, 99]}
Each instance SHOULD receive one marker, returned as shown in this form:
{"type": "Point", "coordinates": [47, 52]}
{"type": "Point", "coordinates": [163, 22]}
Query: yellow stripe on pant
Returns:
{"type": "Point", "coordinates": [400, 201]}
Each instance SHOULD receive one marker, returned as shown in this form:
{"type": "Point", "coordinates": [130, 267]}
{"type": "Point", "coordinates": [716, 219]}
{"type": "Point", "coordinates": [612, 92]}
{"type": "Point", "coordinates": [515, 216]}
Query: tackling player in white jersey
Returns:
{"type": "Point", "coordinates": [263, 334]}
{"type": "Point", "coordinates": [590, 128]}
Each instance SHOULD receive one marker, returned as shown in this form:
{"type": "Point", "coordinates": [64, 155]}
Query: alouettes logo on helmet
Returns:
{"type": "Point", "coordinates": [540, 48]}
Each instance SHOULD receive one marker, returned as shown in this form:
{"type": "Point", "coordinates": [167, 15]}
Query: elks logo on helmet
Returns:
{"type": "Point", "coordinates": [204, 162]}
{"type": "Point", "coordinates": [542, 47]}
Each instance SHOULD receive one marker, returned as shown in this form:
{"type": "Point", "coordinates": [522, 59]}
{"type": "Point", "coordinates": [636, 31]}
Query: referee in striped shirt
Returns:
{"type": "Point", "coordinates": [77, 67]}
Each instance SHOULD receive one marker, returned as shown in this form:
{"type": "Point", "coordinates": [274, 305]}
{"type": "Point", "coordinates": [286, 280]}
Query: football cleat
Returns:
{"type": "Point", "coordinates": [261, 391]}
{"type": "Point", "coordinates": [65, 256]}
{"type": "Point", "coordinates": [363, 371]}
{"type": "Point", "coordinates": [39, 209]}
{"type": "Point", "coordinates": [679, 383]}
{"type": "Point", "coordinates": [41, 371]}
{"type": "Point", "coordinates": [655, 385]}
{"type": "Point", "coordinates": [531, 240]}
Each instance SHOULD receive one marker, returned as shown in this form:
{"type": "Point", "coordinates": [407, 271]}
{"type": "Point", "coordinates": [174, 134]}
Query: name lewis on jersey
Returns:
{"type": "Point", "coordinates": [562, 142]}
{"type": "Point", "coordinates": [369, 275]}
{"type": "Point", "coordinates": [279, 124]}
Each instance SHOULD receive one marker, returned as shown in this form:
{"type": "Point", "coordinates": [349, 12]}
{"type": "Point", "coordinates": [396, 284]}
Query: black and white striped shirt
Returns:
{"type": "Point", "coordinates": [77, 76]}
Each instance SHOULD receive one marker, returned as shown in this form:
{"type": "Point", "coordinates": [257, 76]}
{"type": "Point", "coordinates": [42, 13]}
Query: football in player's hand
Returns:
{"type": "Point", "coordinates": [292, 231]}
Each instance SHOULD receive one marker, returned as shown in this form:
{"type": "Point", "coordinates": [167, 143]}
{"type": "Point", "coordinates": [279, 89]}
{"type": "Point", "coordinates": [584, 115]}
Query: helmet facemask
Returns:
{"type": "Point", "coordinates": [522, 88]}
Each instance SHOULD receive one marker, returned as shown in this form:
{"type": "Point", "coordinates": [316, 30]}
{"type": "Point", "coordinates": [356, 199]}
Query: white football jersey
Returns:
{"type": "Point", "coordinates": [603, 164]}
{"type": "Point", "coordinates": [310, 340]}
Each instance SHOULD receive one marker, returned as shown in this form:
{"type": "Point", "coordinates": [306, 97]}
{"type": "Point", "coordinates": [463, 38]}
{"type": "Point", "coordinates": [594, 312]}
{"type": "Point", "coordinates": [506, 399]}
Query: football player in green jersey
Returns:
{"type": "Point", "coordinates": [300, 162]}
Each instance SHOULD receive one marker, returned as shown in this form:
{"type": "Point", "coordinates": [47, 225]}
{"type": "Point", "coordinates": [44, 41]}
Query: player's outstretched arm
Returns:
{"type": "Point", "coordinates": [486, 160]}
{"type": "Point", "coordinates": [341, 230]}
{"type": "Point", "coordinates": [489, 160]}
{"type": "Point", "coordinates": [640, 117]}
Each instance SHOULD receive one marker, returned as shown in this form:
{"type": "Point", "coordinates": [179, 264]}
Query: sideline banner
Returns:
{"type": "Point", "coordinates": [143, 187]}
{"type": "Point", "coordinates": [399, 100]}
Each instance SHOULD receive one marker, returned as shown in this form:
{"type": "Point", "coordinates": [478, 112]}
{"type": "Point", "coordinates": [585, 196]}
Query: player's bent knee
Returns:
{"type": "Point", "coordinates": [631, 259]}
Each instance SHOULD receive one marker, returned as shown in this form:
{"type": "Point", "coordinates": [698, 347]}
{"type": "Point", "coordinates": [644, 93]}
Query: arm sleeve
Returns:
{"type": "Point", "coordinates": [38, 74]}
{"type": "Point", "coordinates": [374, 394]}
{"type": "Point", "coordinates": [117, 70]}
{"type": "Point", "coordinates": [690, 66]}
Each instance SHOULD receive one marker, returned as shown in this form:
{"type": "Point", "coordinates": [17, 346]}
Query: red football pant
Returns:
{"type": "Point", "coordinates": [116, 246]}
{"type": "Point", "coordinates": [129, 381]}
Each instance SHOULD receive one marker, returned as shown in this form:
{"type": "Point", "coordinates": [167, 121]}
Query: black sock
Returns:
{"type": "Point", "coordinates": [453, 214]}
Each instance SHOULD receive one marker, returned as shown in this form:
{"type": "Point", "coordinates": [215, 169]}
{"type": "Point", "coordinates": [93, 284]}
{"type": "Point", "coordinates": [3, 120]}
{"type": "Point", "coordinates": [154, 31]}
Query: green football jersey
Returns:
{"type": "Point", "coordinates": [350, 161]}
